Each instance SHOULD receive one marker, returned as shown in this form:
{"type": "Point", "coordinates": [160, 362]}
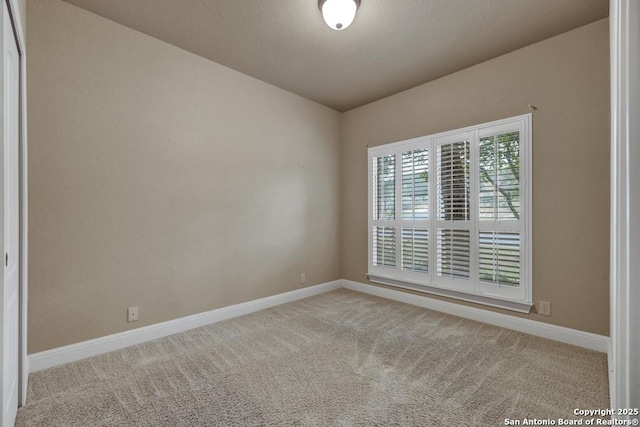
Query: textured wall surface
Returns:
{"type": "Point", "coordinates": [567, 78]}
{"type": "Point", "coordinates": [22, 5]}
{"type": "Point", "coordinates": [162, 180]}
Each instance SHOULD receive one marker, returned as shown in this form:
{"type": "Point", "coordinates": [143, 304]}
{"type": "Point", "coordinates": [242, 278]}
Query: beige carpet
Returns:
{"type": "Point", "coordinates": [341, 358]}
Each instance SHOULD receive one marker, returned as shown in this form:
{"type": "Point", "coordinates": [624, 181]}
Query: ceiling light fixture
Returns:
{"type": "Point", "coordinates": [338, 14]}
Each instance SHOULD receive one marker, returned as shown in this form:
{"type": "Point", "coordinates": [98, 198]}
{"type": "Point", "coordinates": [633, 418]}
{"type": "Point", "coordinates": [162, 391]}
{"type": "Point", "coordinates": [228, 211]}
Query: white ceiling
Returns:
{"type": "Point", "coordinates": [391, 46]}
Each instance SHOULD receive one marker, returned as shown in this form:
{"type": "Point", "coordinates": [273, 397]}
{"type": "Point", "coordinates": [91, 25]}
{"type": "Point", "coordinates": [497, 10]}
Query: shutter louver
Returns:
{"type": "Point", "coordinates": [415, 185]}
{"type": "Point", "coordinates": [499, 257]}
{"type": "Point", "coordinates": [499, 170]}
{"type": "Point", "coordinates": [454, 252]}
{"type": "Point", "coordinates": [384, 178]}
{"type": "Point", "coordinates": [384, 246]}
{"type": "Point", "coordinates": [454, 182]}
{"type": "Point", "coordinates": [415, 250]}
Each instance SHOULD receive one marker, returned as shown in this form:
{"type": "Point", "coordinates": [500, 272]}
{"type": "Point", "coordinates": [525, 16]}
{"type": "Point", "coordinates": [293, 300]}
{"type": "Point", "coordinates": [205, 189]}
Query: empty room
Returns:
{"type": "Point", "coordinates": [320, 212]}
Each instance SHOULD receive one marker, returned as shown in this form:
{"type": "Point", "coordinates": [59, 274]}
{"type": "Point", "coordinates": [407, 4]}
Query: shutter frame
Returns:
{"type": "Point", "coordinates": [418, 210]}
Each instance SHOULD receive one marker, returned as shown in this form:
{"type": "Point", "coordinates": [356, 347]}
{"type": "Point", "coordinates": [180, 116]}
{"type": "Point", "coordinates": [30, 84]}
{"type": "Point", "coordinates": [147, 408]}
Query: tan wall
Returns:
{"type": "Point", "coordinates": [22, 5]}
{"type": "Point", "coordinates": [567, 78]}
{"type": "Point", "coordinates": [162, 180]}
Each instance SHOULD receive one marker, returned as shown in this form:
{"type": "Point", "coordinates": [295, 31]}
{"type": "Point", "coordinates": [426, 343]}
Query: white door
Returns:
{"type": "Point", "coordinates": [11, 225]}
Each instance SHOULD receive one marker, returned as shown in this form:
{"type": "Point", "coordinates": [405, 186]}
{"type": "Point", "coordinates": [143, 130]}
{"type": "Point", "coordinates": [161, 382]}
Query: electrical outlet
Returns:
{"type": "Point", "coordinates": [303, 278]}
{"type": "Point", "coordinates": [544, 308]}
{"type": "Point", "coordinates": [132, 314]}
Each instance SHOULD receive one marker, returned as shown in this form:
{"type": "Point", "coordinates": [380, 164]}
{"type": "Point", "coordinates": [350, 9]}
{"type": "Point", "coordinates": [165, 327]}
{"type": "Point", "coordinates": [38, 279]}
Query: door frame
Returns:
{"type": "Point", "coordinates": [624, 372]}
{"type": "Point", "coordinates": [16, 13]}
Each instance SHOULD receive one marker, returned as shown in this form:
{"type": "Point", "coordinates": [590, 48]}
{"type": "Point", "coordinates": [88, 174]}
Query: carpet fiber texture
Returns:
{"type": "Point", "coordinates": [340, 358]}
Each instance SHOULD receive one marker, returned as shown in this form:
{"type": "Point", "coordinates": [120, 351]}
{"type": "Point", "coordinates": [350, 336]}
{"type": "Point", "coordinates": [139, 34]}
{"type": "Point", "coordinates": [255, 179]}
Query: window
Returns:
{"type": "Point", "coordinates": [450, 214]}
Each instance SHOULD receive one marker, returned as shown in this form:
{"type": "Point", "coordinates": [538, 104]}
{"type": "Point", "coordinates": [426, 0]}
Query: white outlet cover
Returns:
{"type": "Point", "coordinates": [545, 308]}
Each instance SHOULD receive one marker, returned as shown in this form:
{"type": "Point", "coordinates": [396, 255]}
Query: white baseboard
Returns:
{"type": "Point", "coordinates": [544, 330]}
{"type": "Point", "coordinates": [73, 352]}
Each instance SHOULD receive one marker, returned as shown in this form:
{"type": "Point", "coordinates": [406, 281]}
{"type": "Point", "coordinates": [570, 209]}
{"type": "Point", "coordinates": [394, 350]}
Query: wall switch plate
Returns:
{"type": "Point", "coordinates": [544, 308]}
{"type": "Point", "coordinates": [303, 278]}
{"type": "Point", "coordinates": [132, 314]}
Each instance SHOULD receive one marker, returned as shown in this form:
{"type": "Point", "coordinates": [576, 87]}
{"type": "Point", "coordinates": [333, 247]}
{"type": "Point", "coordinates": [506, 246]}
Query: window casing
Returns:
{"type": "Point", "coordinates": [450, 213]}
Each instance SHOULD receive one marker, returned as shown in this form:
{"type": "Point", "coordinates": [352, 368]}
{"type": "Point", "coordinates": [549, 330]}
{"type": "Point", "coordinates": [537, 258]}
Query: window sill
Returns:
{"type": "Point", "coordinates": [519, 306]}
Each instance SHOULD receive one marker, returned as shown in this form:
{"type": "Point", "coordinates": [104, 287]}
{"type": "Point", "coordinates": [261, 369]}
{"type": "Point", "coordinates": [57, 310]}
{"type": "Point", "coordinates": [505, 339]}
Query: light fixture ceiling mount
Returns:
{"type": "Point", "coordinates": [338, 14]}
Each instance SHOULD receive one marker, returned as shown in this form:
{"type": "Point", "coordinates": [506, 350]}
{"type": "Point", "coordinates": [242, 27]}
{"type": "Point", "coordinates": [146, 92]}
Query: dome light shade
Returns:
{"type": "Point", "coordinates": [338, 14]}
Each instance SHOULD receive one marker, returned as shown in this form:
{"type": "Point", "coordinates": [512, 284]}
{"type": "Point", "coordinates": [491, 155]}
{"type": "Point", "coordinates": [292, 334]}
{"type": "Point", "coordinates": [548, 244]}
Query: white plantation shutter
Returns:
{"type": "Point", "coordinates": [454, 181]}
{"type": "Point", "coordinates": [499, 257]}
{"type": "Point", "coordinates": [454, 253]}
{"type": "Point", "coordinates": [415, 250]}
{"type": "Point", "coordinates": [499, 173]}
{"type": "Point", "coordinates": [384, 246]}
{"type": "Point", "coordinates": [450, 214]}
{"type": "Point", "coordinates": [384, 187]}
{"type": "Point", "coordinates": [415, 212]}
{"type": "Point", "coordinates": [501, 227]}
{"type": "Point", "coordinates": [415, 185]}
{"type": "Point", "coordinates": [453, 221]}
